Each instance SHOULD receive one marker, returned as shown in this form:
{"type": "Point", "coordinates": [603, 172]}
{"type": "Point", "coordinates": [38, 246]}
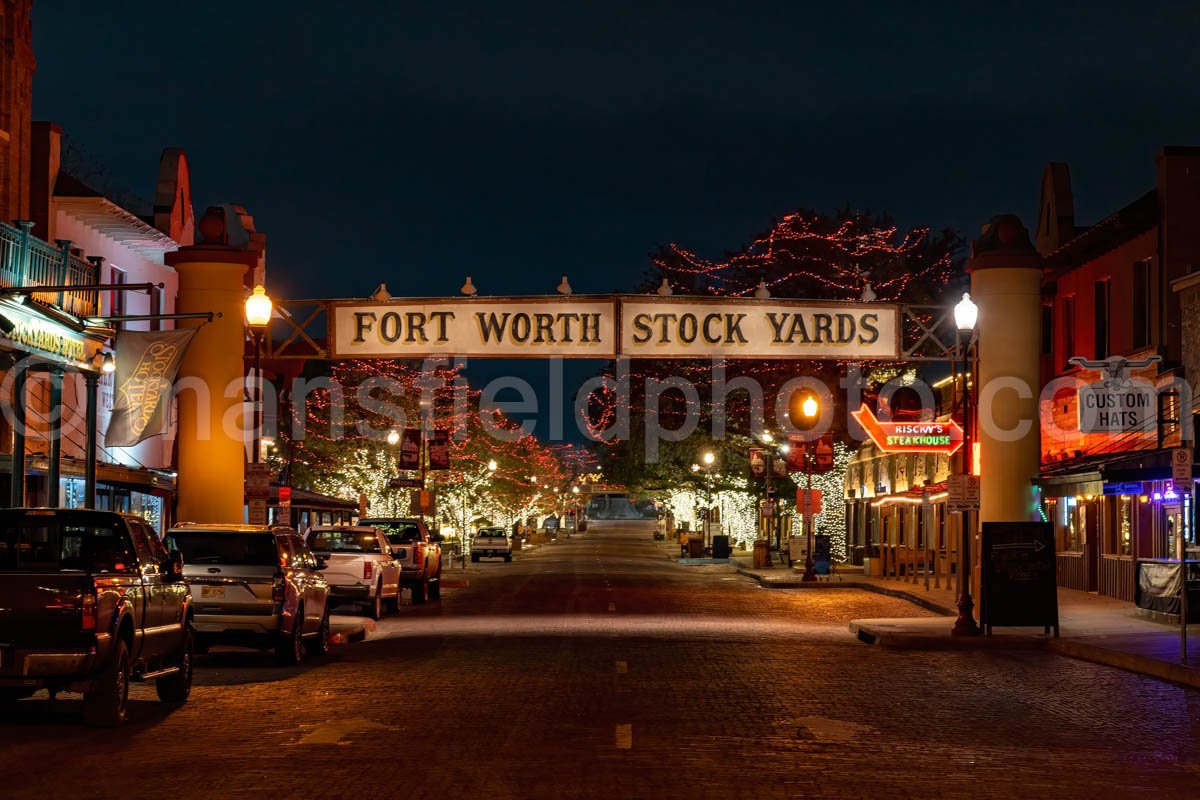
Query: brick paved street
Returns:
{"type": "Point", "coordinates": [595, 667]}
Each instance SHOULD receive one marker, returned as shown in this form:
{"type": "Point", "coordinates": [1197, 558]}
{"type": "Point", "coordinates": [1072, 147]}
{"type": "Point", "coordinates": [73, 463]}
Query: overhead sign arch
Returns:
{"type": "Point", "coordinates": [614, 327]}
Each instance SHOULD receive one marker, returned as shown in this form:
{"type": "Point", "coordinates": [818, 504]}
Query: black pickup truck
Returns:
{"type": "Point", "coordinates": [90, 600]}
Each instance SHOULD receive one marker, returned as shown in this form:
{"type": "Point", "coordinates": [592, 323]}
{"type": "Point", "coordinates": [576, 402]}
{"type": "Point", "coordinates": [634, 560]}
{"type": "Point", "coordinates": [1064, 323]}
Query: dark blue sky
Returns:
{"type": "Point", "coordinates": [519, 142]}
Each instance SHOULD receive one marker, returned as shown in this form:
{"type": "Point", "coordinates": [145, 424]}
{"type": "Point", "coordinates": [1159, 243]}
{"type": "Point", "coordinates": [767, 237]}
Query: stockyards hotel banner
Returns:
{"type": "Point", "coordinates": [611, 327]}
{"type": "Point", "coordinates": [147, 363]}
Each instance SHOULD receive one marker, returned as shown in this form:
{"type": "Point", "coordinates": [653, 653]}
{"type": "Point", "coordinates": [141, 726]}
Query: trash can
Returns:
{"type": "Point", "coordinates": [720, 547]}
{"type": "Point", "coordinates": [695, 546]}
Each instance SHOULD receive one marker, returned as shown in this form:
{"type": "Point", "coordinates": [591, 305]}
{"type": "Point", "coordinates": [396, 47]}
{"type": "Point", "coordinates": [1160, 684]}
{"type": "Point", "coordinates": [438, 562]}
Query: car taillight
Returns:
{"type": "Point", "coordinates": [278, 591]}
{"type": "Point", "coordinates": [88, 619]}
{"type": "Point", "coordinates": [368, 570]}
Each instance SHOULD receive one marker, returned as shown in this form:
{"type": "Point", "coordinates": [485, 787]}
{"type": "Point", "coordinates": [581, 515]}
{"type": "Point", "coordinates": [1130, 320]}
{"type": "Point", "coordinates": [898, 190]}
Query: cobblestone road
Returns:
{"type": "Point", "coordinates": [596, 668]}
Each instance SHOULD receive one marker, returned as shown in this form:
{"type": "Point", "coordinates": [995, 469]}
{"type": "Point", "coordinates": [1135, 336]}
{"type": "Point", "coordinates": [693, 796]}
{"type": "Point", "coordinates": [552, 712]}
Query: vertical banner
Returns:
{"type": "Point", "coordinates": [147, 363]}
{"type": "Point", "coordinates": [439, 450]}
{"type": "Point", "coordinates": [758, 463]}
{"type": "Point", "coordinates": [410, 449]}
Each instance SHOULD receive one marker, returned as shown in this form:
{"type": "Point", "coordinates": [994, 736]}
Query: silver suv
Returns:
{"type": "Point", "coordinates": [254, 585]}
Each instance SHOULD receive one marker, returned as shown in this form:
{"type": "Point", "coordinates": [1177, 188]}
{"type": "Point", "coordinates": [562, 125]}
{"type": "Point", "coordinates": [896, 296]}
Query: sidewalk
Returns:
{"type": "Point", "coordinates": [1092, 627]}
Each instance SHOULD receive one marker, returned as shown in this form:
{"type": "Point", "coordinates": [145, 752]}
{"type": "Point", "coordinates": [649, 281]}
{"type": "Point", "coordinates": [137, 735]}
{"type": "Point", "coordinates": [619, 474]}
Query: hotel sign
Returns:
{"type": "Point", "coordinates": [43, 336]}
{"type": "Point", "coordinates": [610, 327]}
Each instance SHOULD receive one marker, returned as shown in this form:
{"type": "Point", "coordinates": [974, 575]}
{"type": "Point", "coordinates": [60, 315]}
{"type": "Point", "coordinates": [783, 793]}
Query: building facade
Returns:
{"type": "Point", "coordinates": [1107, 293]}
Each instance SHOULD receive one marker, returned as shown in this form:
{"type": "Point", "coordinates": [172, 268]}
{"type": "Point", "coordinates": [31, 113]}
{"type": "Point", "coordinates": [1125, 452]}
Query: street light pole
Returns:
{"type": "Point", "coordinates": [258, 317]}
{"type": "Point", "coordinates": [809, 408]}
{"type": "Point", "coordinates": [965, 316]}
{"type": "Point", "coordinates": [810, 572]}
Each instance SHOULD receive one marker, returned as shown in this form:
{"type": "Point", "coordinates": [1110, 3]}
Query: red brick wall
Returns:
{"type": "Point", "coordinates": [17, 66]}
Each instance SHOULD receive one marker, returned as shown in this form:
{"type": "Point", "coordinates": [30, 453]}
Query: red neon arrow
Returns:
{"type": "Point", "coordinates": [880, 432]}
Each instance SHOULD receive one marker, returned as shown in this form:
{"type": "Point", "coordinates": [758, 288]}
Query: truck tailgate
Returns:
{"type": "Point", "coordinates": [42, 609]}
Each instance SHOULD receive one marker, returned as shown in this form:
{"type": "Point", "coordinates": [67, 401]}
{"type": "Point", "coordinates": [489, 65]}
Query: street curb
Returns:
{"type": "Point", "coordinates": [1069, 648]}
{"type": "Point", "coordinates": [905, 641]}
{"type": "Point", "coordinates": [915, 599]}
{"type": "Point", "coordinates": [1130, 662]}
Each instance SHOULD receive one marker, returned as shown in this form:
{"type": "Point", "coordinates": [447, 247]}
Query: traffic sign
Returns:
{"type": "Point", "coordinates": [405, 483]}
{"type": "Point", "coordinates": [962, 493]}
{"type": "Point", "coordinates": [258, 480]}
{"type": "Point", "coordinates": [1181, 468]}
{"type": "Point", "coordinates": [808, 501]}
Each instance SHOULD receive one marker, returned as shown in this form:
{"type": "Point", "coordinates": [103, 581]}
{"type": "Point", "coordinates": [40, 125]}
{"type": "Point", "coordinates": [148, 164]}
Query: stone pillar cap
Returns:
{"type": "Point", "coordinates": [1003, 242]}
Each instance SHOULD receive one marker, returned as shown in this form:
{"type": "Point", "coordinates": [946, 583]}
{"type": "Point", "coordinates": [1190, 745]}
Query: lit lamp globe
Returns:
{"type": "Point", "coordinates": [492, 465]}
{"type": "Point", "coordinates": [393, 437]}
{"type": "Point", "coordinates": [709, 458]}
{"type": "Point", "coordinates": [966, 313]}
{"type": "Point", "coordinates": [810, 407]}
{"type": "Point", "coordinates": [258, 308]}
{"type": "Point", "coordinates": [767, 437]}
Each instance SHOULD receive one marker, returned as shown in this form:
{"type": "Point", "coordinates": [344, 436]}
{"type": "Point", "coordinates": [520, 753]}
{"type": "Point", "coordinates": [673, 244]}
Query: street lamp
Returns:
{"type": "Point", "coordinates": [492, 465]}
{"type": "Point", "coordinates": [966, 314]}
{"type": "Point", "coordinates": [709, 458]}
{"type": "Point", "coordinates": [810, 407]}
{"type": "Point", "coordinates": [393, 437]}
{"type": "Point", "coordinates": [258, 317]}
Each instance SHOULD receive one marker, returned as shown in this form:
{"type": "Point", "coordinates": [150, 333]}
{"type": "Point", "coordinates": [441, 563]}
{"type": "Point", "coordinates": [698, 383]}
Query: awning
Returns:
{"type": "Point", "coordinates": [1084, 483]}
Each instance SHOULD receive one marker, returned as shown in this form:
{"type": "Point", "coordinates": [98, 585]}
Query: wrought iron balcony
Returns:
{"type": "Point", "coordinates": [26, 260]}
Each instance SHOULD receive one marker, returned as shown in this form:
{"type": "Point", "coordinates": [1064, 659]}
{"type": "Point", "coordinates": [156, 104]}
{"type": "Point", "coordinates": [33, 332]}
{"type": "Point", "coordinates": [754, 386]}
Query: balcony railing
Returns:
{"type": "Point", "coordinates": [26, 260]}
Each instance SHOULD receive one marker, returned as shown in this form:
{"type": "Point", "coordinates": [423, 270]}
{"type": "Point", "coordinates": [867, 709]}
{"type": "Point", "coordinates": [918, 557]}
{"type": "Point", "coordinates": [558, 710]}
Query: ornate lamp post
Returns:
{"type": "Point", "coordinates": [258, 317]}
{"type": "Point", "coordinates": [810, 408]}
{"type": "Point", "coordinates": [966, 314]}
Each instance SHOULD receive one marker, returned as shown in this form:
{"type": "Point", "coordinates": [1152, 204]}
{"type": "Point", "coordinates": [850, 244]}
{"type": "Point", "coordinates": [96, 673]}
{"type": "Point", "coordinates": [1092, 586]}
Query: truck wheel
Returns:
{"type": "Point", "coordinates": [176, 688]}
{"type": "Point", "coordinates": [508, 559]}
{"type": "Point", "coordinates": [374, 609]}
{"type": "Point", "coordinates": [289, 649]}
{"type": "Point", "coordinates": [420, 589]}
{"type": "Point", "coordinates": [435, 588]}
{"type": "Point", "coordinates": [319, 644]}
{"type": "Point", "coordinates": [106, 704]}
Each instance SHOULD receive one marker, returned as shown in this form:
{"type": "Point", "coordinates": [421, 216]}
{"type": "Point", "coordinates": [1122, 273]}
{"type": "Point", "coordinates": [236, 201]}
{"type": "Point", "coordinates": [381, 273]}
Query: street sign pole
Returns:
{"type": "Point", "coordinates": [1181, 479]}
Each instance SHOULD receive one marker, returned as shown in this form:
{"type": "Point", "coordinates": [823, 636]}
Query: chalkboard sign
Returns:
{"type": "Point", "coordinates": [821, 554]}
{"type": "Point", "coordinates": [1018, 586]}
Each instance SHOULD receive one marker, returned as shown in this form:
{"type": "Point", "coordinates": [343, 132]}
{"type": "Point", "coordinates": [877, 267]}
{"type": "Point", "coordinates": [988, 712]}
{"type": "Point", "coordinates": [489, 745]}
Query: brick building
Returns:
{"type": "Point", "coordinates": [1108, 292]}
{"type": "Point", "coordinates": [17, 66]}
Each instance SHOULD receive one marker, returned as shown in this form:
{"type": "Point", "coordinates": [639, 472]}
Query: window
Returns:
{"type": "Point", "coordinates": [116, 303]}
{"type": "Point", "coordinates": [1069, 518]}
{"type": "Point", "coordinates": [1047, 330]}
{"type": "Point", "coordinates": [156, 307]}
{"type": "Point", "coordinates": [1141, 304]}
{"type": "Point", "coordinates": [1124, 527]}
{"type": "Point", "coordinates": [1101, 295]}
{"type": "Point", "coordinates": [1068, 325]}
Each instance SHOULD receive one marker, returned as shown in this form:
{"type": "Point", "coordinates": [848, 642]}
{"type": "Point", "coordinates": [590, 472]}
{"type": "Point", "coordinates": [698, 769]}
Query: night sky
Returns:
{"type": "Point", "coordinates": [520, 142]}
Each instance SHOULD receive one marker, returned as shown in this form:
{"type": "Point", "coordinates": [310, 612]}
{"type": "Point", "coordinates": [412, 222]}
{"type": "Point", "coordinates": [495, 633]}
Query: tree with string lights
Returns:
{"type": "Point", "coordinates": [848, 256]}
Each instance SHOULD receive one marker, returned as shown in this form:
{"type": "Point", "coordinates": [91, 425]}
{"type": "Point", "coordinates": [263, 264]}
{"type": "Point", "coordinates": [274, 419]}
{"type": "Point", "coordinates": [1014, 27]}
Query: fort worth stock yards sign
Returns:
{"type": "Point", "coordinates": [614, 327]}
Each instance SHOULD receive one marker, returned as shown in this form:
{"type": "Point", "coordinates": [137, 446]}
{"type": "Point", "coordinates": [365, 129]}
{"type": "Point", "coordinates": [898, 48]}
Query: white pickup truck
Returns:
{"type": "Point", "coordinates": [491, 543]}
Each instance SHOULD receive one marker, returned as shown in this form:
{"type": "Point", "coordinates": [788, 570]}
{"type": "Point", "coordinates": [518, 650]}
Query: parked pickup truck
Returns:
{"type": "Point", "coordinates": [491, 543]}
{"type": "Point", "coordinates": [90, 600]}
{"type": "Point", "coordinates": [420, 556]}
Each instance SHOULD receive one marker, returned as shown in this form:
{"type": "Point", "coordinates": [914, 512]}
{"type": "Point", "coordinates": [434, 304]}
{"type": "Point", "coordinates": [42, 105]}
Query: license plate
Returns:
{"type": "Point", "coordinates": [209, 592]}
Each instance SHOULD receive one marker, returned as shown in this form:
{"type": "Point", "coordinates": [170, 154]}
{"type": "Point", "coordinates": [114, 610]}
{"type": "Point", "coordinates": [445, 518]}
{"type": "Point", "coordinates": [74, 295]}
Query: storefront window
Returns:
{"type": "Point", "coordinates": [1069, 518]}
{"type": "Point", "coordinates": [1124, 531]}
